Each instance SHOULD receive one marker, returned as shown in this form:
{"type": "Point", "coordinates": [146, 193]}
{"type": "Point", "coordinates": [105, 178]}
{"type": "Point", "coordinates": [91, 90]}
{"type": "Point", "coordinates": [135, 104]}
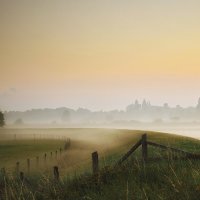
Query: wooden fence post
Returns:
{"type": "Point", "coordinates": [60, 151]}
{"type": "Point", "coordinates": [3, 171]}
{"type": "Point", "coordinates": [21, 176]}
{"type": "Point", "coordinates": [17, 167]}
{"type": "Point", "coordinates": [95, 163]}
{"type": "Point", "coordinates": [69, 141]}
{"type": "Point", "coordinates": [67, 144]}
{"type": "Point", "coordinates": [144, 147]}
{"type": "Point", "coordinates": [28, 165]}
{"type": "Point", "coordinates": [45, 158]}
{"type": "Point", "coordinates": [56, 173]}
{"type": "Point", "coordinates": [37, 161]}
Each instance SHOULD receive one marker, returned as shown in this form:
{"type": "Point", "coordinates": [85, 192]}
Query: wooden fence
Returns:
{"type": "Point", "coordinates": [39, 161]}
{"type": "Point", "coordinates": [143, 142]}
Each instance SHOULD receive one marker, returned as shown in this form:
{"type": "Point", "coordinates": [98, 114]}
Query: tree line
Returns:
{"type": "Point", "coordinates": [2, 119]}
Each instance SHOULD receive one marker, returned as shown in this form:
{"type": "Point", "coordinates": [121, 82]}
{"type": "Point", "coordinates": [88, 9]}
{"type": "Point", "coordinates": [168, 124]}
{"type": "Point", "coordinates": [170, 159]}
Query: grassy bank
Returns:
{"type": "Point", "coordinates": [162, 179]}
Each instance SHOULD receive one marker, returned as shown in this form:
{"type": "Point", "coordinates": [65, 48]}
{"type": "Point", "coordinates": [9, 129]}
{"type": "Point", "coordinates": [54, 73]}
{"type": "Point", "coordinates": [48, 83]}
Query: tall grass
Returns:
{"type": "Point", "coordinates": [162, 177]}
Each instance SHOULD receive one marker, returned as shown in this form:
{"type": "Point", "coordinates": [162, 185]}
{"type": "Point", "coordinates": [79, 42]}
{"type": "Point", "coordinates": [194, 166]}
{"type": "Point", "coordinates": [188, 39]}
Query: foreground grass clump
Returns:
{"type": "Point", "coordinates": [166, 179]}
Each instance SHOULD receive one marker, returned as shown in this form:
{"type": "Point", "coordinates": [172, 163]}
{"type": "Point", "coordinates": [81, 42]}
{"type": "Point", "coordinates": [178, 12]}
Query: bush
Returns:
{"type": "Point", "coordinates": [2, 120]}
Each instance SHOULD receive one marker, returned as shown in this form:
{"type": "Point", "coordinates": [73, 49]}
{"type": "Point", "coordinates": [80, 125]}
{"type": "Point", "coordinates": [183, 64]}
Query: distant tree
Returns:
{"type": "Point", "coordinates": [18, 121]}
{"type": "Point", "coordinates": [2, 119]}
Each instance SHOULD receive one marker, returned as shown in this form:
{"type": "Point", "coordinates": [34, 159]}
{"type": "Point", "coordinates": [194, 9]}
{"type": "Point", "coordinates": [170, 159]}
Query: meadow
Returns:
{"type": "Point", "coordinates": [165, 178]}
{"type": "Point", "coordinates": [18, 145]}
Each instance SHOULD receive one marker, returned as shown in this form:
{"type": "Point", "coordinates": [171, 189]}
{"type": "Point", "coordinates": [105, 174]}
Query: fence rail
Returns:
{"type": "Point", "coordinates": [129, 152]}
{"type": "Point", "coordinates": [143, 142]}
{"type": "Point", "coordinates": [187, 154]}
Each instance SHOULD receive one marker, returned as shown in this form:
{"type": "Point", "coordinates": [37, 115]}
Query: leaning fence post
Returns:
{"type": "Point", "coordinates": [144, 147]}
{"type": "Point", "coordinates": [56, 173]}
{"type": "Point", "coordinates": [28, 165]}
{"type": "Point", "coordinates": [95, 162]}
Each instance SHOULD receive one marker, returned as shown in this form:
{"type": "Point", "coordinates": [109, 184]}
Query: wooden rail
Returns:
{"type": "Point", "coordinates": [144, 147]}
{"type": "Point", "coordinates": [144, 143]}
{"type": "Point", "coordinates": [129, 152]}
{"type": "Point", "coordinates": [187, 154]}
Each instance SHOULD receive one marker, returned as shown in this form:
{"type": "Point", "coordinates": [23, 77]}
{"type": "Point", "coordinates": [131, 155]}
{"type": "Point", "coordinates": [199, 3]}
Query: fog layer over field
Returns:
{"type": "Point", "coordinates": [17, 145]}
{"type": "Point", "coordinates": [136, 116]}
{"type": "Point", "coordinates": [20, 144]}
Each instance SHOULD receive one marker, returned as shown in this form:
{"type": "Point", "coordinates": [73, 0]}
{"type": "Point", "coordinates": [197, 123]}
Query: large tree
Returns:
{"type": "Point", "coordinates": [2, 120]}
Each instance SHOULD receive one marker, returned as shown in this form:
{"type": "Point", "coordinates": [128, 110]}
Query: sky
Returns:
{"type": "Point", "coordinates": [98, 54]}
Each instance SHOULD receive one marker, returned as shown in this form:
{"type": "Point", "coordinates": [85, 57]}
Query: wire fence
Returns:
{"type": "Point", "coordinates": [61, 164]}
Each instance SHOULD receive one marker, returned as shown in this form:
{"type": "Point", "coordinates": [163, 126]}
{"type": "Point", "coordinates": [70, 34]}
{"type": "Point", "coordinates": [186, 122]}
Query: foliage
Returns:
{"type": "Point", "coordinates": [2, 119]}
{"type": "Point", "coordinates": [19, 121]}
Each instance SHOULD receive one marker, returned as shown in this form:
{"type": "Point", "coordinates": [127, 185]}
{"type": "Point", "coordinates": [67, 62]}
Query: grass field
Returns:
{"type": "Point", "coordinates": [16, 145]}
{"type": "Point", "coordinates": [165, 179]}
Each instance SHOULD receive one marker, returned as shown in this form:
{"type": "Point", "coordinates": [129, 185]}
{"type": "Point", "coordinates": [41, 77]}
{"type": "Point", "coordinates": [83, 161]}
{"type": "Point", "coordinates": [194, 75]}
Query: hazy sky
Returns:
{"type": "Point", "coordinates": [99, 54]}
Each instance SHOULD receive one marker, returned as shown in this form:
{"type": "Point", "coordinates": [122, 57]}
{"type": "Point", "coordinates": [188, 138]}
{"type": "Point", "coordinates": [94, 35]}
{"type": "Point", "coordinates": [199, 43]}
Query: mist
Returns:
{"type": "Point", "coordinates": [136, 116]}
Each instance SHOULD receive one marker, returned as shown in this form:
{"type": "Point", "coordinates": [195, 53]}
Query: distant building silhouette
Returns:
{"type": "Point", "coordinates": [137, 112]}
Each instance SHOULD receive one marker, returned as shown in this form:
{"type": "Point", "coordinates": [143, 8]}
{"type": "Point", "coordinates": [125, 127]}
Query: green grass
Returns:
{"type": "Point", "coordinates": [13, 151]}
{"type": "Point", "coordinates": [162, 179]}
{"type": "Point", "coordinates": [16, 145]}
